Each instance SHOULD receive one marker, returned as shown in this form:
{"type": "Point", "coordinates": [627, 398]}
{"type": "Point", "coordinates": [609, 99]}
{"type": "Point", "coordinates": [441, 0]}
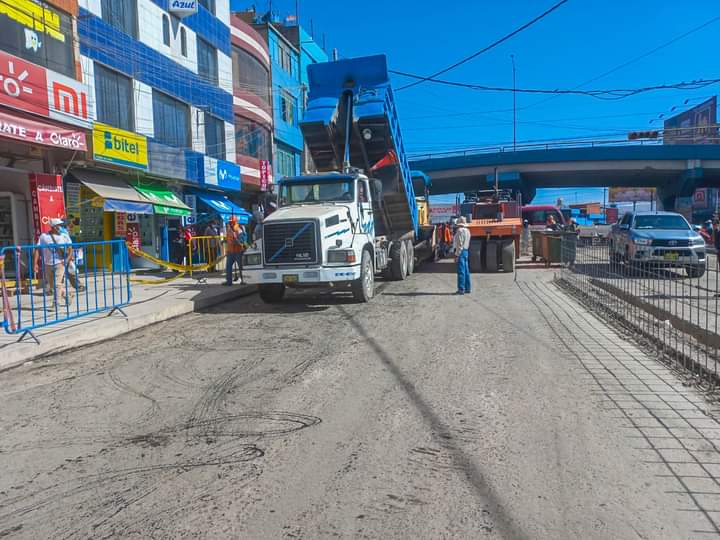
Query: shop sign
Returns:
{"type": "Point", "coordinates": [120, 223]}
{"type": "Point", "coordinates": [120, 147]}
{"type": "Point", "coordinates": [183, 8]}
{"type": "Point", "coordinates": [32, 132]}
{"type": "Point", "coordinates": [700, 198]}
{"type": "Point", "coordinates": [443, 213]}
{"type": "Point", "coordinates": [132, 234]}
{"type": "Point", "coordinates": [264, 174]}
{"type": "Point", "coordinates": [32, 88]}
{"type": "Point", "coordinates": [48, 201]}
{"type": "Point", "coordinates": [191, 201]}
{"type": "Point", "coordinates": [228, 175]}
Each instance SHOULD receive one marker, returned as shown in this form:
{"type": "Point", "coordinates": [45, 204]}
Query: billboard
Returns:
{"type": "Point", "coordinates": [694, 126]}
{"type": "Point", "coordinates": [442, 213]}
{"type": "Point", "coordinates": [631, 194]}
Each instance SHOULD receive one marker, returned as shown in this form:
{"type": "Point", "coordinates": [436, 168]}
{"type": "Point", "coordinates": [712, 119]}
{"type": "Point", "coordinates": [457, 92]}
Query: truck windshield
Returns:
{"type": "Point", "coordinates": [661, 221]}
{"type": "Point", "coordinates": [316, 192]}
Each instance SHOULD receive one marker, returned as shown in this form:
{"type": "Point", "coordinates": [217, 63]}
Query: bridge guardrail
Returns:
{"type": "Point", "coordinates": [43, 286]}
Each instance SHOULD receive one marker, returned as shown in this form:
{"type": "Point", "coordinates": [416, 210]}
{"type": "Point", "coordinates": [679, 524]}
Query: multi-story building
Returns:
{"type": "Point", "coordinates": [252, 106]}
{"type": "Point", "coordinates": [162, 84]}
{"type": "Point", "coordinates": [45, 111]}
{"type": "Point", "coordinates": [286, 92]}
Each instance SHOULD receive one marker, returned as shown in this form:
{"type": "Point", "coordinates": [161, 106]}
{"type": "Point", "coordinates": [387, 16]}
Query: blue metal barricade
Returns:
{"type": "Point", "coordinates": [45, 285]}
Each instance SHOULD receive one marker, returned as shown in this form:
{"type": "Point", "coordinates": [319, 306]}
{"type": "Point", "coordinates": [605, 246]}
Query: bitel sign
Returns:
{"type": "Point", "coordinates": [32, 88]}
{"type": "Point", "coordinates": [183, 8]}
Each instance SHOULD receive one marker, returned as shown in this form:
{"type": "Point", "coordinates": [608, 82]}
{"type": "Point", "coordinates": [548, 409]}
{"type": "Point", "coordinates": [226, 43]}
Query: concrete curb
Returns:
{"type": "Point", "coordinates": [95, 331]}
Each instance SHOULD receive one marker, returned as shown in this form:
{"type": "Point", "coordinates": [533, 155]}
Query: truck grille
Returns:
{"type": "Point", "coordinates": [292, 242]}
{"type": "Point", "coordinates": [671, 243]}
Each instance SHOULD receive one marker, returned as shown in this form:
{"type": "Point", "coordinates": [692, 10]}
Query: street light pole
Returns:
{"type": "Point", "coordinates": [512, 58]}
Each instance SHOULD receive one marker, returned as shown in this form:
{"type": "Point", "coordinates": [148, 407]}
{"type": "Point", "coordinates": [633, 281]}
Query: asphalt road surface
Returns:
{"type": "Point", "coordinates": [509, 413]}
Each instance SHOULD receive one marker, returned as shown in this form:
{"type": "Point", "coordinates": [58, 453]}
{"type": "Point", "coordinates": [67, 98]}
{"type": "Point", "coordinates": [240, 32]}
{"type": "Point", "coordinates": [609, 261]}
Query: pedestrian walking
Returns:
{"type": "Point", "coordinates": [461, 246]}
{"type": "Point", "coordinates": [236, 239]}
{"type": "Point", "coordinates": [56, 256]}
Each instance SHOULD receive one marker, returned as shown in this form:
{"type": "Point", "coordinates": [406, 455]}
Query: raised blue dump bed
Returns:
{"type": "Point", "coordinates": [367, 79]}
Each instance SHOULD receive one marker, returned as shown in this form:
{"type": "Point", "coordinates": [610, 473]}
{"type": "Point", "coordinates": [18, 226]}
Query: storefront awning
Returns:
{"type": "Point", "coordinates": [224, 206]}
{"type": "Point", "coordinates": [163, 199]}
{"type": "Point", "coordinates": [114, 205]}
{"type": "Point", "coordinates": [171, 211]}
{"type": "Point", "coordinates": [108, 186]}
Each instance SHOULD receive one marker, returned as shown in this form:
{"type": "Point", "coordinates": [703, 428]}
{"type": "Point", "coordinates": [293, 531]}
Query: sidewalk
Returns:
{"type": "Point", "coordinates": [150, 304]}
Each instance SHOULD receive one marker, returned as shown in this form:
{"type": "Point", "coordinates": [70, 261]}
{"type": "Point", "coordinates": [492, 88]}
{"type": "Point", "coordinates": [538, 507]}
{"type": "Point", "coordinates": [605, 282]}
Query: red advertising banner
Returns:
{"type": "Point", "coordinates": [32, 88]}
{"type": "Point", "coordinates": [132, 234]}
{"type": "Point", "coordinates": [32, 132]}
{"type": "Point", "coordinates": [264, 174]}
{"type": "Point", "coordinates": [48, 200]}
{"type": "Point", "coordinates": [700, 198]}
{"type": "Point", "coordinates": [612, 215]}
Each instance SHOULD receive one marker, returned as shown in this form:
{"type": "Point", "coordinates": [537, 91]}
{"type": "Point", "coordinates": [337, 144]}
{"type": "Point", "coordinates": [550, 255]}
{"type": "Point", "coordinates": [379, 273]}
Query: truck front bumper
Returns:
{"type": "Point", "coordinates": [669, 256]}
{"type": "Point", "coordinates": [301, 276]}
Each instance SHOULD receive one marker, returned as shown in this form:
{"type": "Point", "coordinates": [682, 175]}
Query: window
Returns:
{"type": "Point", "coordinates": [250, 74]}
{"type": "Point", "coordinates": [183, 42]}
{"type": "Point", "coordinates": [209, 5]}
{"type": "Point", "coordinates": [310, 193]}
{"type": "Point", "coordinates": [114, 98]}
{"type": "Point", "coordinates": [172, 120]}
{"type": "Point", "coordinates": [39, 33]}
{"type": "Point", "coordinates": [122, 15]}
{"type": "Point", "coordinates": [252, 139]}
{"type": "Point", "coordinates": [288, 104]}
{"type": "Point", "coordinates": [285, 163]}
{"type": "Point", "coordinates": [207, 61]}
{"type": "Point", "coordinates": [214, 137]}
{"type": "Point", "coordinates": [285, 57]}
{"type": "Point", "coordinates": [626, 219]}
{"type": "Point", "coordinates": [661, 221]}
{"type": "Point", "coordinates": [166, 30]}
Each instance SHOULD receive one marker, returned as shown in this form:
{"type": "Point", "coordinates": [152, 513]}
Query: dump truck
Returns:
{"type": "Point", "coordinates": [495, 224]}
{"type": "Point", "coordinates": [357, 217]}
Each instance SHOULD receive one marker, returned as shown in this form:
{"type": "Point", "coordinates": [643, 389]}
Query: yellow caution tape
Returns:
{"type": "Point", "coordinates": [156, 281]}
{"type": "Point", "coordinates": [180, 268]}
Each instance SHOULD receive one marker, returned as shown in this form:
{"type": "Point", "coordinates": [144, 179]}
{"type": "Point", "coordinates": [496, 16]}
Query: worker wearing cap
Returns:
{"type": "Point", "coordinates": [56, 256]}
{"type": "Point", "coordinates": [461, 246]}
{"type": "Point", "coordinates": [236, 239]}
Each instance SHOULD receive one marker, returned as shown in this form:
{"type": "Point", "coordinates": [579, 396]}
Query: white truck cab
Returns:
{"type": "Point", "coordinates": [322, 234]}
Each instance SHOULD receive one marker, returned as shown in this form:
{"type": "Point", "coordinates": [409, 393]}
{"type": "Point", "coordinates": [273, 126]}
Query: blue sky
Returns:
{"type": "Point", "coordinates": [578, 42]}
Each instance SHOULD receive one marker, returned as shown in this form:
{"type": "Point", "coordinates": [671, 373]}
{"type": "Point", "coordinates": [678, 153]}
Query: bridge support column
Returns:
{"type": "Point", "coordinates": [684, 186]}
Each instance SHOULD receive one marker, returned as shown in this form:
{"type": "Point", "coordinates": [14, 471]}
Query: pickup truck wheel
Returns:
{"type": "Point", "coordinates": [695, 270]}
{"type": "Point", "coordinates": [398, 261]}
{"type": "Point", "coordinates": [363, 288]}
{"type": "Point", "coordinates": [508, 256]}
{"type": "Point", "coordinates": [272, 293]}
{"type": "Point", "coordinates": [410, 258]}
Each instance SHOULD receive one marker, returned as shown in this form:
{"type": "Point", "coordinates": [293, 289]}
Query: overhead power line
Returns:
{"type": "Point", "coordinates": [489, 47]}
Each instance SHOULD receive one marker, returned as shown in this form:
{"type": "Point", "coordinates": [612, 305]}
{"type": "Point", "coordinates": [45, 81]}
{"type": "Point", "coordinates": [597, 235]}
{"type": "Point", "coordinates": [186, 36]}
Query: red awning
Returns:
{"type": "Point", "coordinates": [42, 133]}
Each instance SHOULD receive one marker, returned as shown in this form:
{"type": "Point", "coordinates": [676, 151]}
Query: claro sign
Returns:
{"type": "Point", "coordinates": [32, 88]}
{"type": "Point", "coordinates": [183, 8]}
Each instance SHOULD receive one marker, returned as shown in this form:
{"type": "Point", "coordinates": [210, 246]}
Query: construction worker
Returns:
{"type": "Point", "coordinates": [447, 239]}
{"type": "Point", "coordinates": [461, 246]}
{"type": "Point", "coordinates": [236, 239]}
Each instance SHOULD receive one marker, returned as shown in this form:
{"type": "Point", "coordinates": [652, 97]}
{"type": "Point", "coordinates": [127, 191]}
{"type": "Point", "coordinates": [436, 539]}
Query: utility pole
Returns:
{"type": "Point", "coordinates": [512, 58]}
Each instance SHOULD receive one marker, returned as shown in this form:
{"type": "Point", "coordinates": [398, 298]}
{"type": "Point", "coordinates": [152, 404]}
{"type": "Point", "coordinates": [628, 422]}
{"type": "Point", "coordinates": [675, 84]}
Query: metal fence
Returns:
{"type": "Point", "coordinates": [674, 306]}
{"type": "Point", "coordinates": [41, 286]}
{"type": "Point", "coordinates": [204, 254]}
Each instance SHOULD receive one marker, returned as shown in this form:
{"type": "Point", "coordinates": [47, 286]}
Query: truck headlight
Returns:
{"type": "Point", "coordinates": [642, 241]}
{"type": "Point", "coordinates": [252, 259]}
{"type": "Point", "coordinates": [341, 256]}
{"type": "Point", "coordinates": [699, 241]}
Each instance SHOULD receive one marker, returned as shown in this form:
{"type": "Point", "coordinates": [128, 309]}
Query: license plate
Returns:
{"type": "Point", "coordinates": [672, 256]}
{"type": "Point", "coordinates": [290, 278]}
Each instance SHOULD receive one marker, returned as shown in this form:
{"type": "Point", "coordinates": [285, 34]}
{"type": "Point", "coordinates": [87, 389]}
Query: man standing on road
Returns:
{"type": "Point", "coordinates": [236, 239]}
{"type": "Point", "coordinates": [461, 246]}
{"type": "Point", "coordinates": [56, 259]}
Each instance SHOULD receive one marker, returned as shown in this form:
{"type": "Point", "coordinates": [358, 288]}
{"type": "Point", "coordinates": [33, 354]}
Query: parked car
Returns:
{"type": "Point", "coordinates": [662, 239]}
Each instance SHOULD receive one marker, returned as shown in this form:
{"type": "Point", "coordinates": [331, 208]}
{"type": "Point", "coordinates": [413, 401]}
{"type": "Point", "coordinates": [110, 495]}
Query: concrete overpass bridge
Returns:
{"type": "Point", "coordinates": [675, 170]}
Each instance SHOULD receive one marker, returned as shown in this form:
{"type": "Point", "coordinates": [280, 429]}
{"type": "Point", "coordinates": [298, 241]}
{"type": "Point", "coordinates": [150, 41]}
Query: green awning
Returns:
{"type": "Point", "coordinates": [162, 197]}
{"type": "Point", "coordinates": [170, 211]}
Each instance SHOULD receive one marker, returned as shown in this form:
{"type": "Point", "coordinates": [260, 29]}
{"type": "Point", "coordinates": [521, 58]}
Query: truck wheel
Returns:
{"type": "Point", "coordinates": [475, 256]}
{"type": "Point", "coordinates": [410, 257]}
{"type": "Point", "coordinates": [508, 256]}
{"type": "Point", "coordinates": [695, 271]}
{"type": "Point", "coordinates": [363, 288]}
{"type": "Point", "coordinates": [491, 257]}
{"type": "Point", "coordinates": [272, 293]}
{"type": "Point", "coordinates": [398, 261]}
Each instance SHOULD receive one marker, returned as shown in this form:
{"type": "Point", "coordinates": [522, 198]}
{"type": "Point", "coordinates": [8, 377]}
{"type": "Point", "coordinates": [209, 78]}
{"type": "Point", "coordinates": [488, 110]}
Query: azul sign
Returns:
{"type": "Point", "coordinates": [183, 8]}
{"type": "Point", "coordinates": [223, 174]}
{"type": "Point", "coordinates": [121, 147]}
{"type": "Point", "coordinates": [32, 88]}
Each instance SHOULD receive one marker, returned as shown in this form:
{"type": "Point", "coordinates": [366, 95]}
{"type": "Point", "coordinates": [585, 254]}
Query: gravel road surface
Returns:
{"type": "Point", "coordinates": [509, 413]}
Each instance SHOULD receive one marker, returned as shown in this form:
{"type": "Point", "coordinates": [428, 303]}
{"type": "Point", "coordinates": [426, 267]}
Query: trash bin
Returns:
{"type": "Point", "coordinates": [569, 247]}
{"type": "Point", "coordinates": [552, 251]}
{"type": "Point", "coordinates": [537, 245]}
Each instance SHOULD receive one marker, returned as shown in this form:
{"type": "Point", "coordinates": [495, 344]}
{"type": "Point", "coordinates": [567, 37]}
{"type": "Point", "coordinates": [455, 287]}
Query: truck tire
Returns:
{"type": "Point", "coordinates": [398, 261]}
{"type": "Point", "coordinates": [410, 248]}
{"type": "Point", "coordinates": [508, 256]}
{"type": "Point", "coordinates": [475, 256]}
{"type": "Point", "coordinates": [491, 256]}
{"type": "Point", "coordinates": [695, 270]}
{"type": "Point", "coordinates": [272, 293]}
{"type": "Point", "coordinates": [363, 288]}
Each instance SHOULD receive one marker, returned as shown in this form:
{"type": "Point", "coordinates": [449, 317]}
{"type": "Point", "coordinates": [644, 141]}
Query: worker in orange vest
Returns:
{"type": "Point", "coordinates": [236, 244]}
